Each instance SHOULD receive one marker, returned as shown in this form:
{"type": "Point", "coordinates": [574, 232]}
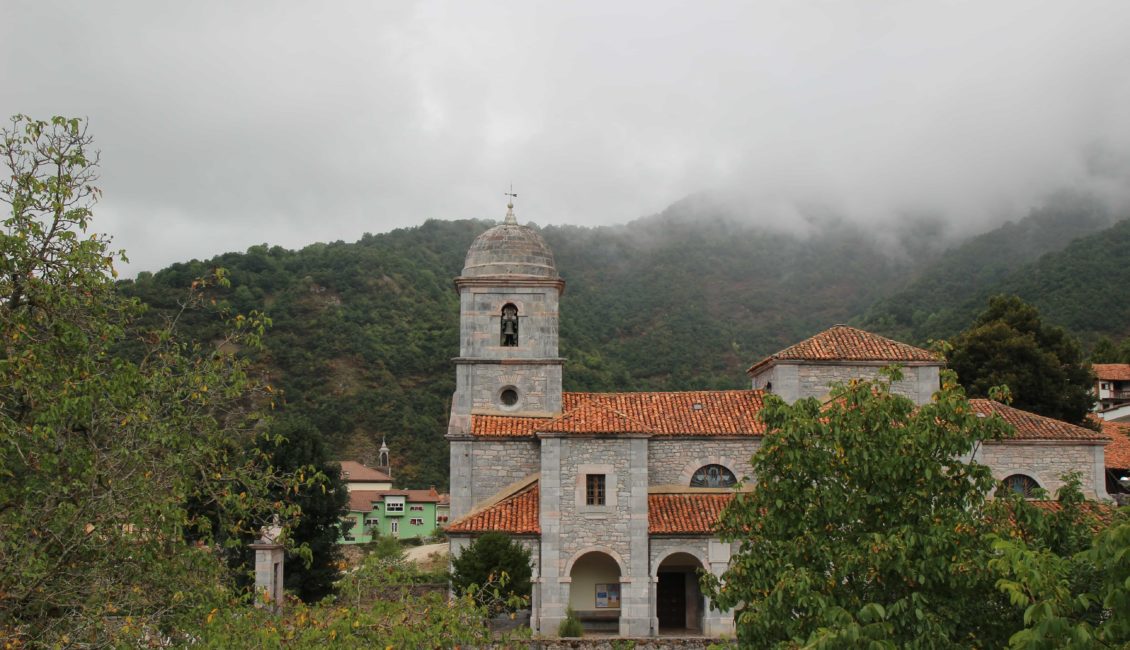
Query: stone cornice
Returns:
{"type": "Point", "coordinates": [514, 361]}
{"type": "Point", "coordinates": [507, 281]}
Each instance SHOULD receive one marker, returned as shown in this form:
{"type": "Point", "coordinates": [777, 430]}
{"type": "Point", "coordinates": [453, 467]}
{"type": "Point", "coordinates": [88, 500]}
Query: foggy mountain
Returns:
{"type": "Point", "coordinates": [364, 332]}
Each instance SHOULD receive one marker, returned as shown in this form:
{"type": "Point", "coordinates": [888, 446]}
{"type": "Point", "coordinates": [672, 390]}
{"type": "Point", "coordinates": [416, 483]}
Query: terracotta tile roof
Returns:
{"type": "Point", "coordinates": [844, 343]}
{"type": "Point", "coordinates": [504, 426]}
{"type": "Point", "coordinates": [362, 500]}
{"type": "Point", "coordinates": [705, 412]}
{"type": "Point", "coordinates": [668, 514]}
{"type": "Point", "coordinates": [516, 514]}
{"type": "Point", "coordinates": [684, 514]}
{"type": "Point", "coordinates": [1030, 426]}
{"type": "Point", "coordinates": [1117, 453]}
{"type": "Point", "coordinates": [1100, 514]}
{"type": "Point", "coordinates": [351, 470]}
{"type": "Point", "coordinates": [1112, 371]}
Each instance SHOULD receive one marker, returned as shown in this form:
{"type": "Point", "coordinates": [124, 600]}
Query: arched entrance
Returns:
{"type": "Point", "coordinates": [594, 592]}
{"type": "Point", "coordinates": [679, 605]}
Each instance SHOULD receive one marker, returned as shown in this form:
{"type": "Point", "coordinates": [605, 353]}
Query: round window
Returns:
{"type": "Point", "coordinates": [508, 397]}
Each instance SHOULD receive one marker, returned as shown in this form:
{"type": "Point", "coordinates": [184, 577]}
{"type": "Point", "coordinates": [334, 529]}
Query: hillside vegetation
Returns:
{"type": "Point", "coordinates": [363, 332]}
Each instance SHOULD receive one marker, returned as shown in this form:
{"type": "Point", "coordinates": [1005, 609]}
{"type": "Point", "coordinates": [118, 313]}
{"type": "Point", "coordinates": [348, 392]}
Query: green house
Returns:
{"type": "Point", "coordinates": [396, 513]}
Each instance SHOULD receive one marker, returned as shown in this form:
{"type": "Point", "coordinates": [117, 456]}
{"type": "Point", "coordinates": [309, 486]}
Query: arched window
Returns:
{"type": "Point", "coordinates": [713, 476]}
{"type": "Point", "coordinates": [509, 336]}
{"type": "Point", "coordinates": [1025, 486]}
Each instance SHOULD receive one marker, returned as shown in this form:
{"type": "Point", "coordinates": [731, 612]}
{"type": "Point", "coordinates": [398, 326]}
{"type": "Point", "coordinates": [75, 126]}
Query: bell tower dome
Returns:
{"type": "Point", "coordinates": [508, 362]}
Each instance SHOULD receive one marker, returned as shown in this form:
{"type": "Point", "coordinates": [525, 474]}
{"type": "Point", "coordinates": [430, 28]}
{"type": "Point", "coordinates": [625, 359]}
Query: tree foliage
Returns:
{"type": "Point", "coordinates": [1041, 365]}
{"type": "Point", "coordinates": [486, 560]}
{"type": "Point", "coordinates": [99, 455]}
{"type": "Point", "coordinates": [864, 525]}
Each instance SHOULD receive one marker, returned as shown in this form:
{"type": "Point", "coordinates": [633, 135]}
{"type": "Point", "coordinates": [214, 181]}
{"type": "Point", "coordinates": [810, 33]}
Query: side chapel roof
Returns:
{"type": "Point", "coordinates": [517, 513]}
{"type": "Point", "coordinates": [1030, 426]}
{"type": "Point", "coordinates": [845, 343]}
{"type": "Point", "coordinates": [1117, 453]}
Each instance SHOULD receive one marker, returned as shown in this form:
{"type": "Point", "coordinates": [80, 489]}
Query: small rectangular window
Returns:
{"type": "Point", "coordinates": [417, 522]}
{"type": "Point", "coordinates": [416, 508]}
{"type": "Point", "coordinates": [594, 489]}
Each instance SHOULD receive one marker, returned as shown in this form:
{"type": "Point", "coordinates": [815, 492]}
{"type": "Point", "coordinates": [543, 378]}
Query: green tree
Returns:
{"type": "Point", "coordinates": [1042, 365]}
{"type": "Point", "coordinates": [1107, 351]}
{"type": "Point", "coordinates": [865, 526]}
{"type": "Point", "coordinates": [486, 560]}
{"type": "Point", "coordinates": [294, 447]}
{"type": "Point", "coordinates": [99, 455]}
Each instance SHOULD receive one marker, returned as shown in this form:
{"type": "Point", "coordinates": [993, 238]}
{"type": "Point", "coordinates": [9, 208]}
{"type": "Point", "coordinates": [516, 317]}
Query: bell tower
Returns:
{"type": "Point", "coordinates": [508, 362]}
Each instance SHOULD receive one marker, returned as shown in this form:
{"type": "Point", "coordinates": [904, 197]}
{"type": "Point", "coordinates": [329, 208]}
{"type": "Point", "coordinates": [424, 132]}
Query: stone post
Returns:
{"type": "Point", "coordinates": [716, 623]}
{"type": "Point", "coordinates": [269, 560]}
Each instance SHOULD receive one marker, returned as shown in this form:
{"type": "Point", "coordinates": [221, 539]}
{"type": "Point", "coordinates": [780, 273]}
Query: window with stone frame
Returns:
{"type": "Point", "coordinates": [713, 476]}
{"type": "Point", "coordinates": [594, 490]}
{"type": "Point", "coordinates": [1023, 485]}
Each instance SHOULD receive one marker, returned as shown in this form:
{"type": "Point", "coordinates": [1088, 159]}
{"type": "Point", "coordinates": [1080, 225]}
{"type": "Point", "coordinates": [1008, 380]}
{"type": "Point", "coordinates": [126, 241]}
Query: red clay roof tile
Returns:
{"type": "Point", "coordinates": [1117, 453]}
{"type": "Point", "coordinates": [844, 343]}
{"type": "Point", "coordinates": [705, 412]}
{"type": "Point", "coordinates": [1030, 426]}
{"type": "Point", "coordinates": [516, 514]}
{"type": "Point", "coordinates": [684, 513]}
{"type": "Point", "coordinates": [351, 470]}
{"type": "Point", "coordinates": [1112, 371]}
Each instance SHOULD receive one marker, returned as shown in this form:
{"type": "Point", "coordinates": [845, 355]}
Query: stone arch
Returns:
{"type": "Point", "coordinates": [690, 468]}
{"type": "Point", "coordinates": [595, 549]}
{"type": "Point", "coordinates": [1031, 475]}
{"type": "Point", "coordinates": [688, 550]}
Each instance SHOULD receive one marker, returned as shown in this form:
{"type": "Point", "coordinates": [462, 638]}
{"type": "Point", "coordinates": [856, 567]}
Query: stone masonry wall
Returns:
{"type": "Point", "coordinates": [538, 387]}
{"type": "Point", "coordinates": [792, 381]}
{"type": "Point", "coordinates": [480, 322]}
{"type": "Point", "coordinates": [673, 461]}
{"type": "Point", "coordinates": [498, 463]}
{"type": "Point", "coordinates": [583, 526]}
{"type": "Point", "coordinates": [1042, 461]}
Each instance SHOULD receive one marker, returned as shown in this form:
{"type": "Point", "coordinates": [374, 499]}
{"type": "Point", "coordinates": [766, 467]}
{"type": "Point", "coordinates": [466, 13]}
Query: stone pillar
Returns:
{"type": "Point", "coordinates": [461, 476]}
{"type": "Point", "coordinates": [269, 559]}
{"type": "Point", "coordinates": [553, 586]}
{"type": "Point", "coordinates": [717, 623]}
{"type": "Point", "coordinates": [635, 603]}
{"type": "Point", "coordinates": [652, 604]}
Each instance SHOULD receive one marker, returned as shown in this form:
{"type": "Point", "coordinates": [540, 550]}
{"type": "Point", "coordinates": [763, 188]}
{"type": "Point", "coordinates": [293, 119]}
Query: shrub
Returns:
{"type": "Point", "coordinates": [570, 627]}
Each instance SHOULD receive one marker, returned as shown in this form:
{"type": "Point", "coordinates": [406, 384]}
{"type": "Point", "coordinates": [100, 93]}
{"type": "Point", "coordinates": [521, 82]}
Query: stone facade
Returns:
{"type": "Point", "coordinates": [590, 548]}
{"type": "Point", "coordinates": [1047, 462]}
{"type": "Point", "coordinates": [498, 463]}
{"type": "Point", "coordinates": [794, 380]}
{"type": "Point", "coordinates": [671, 461]}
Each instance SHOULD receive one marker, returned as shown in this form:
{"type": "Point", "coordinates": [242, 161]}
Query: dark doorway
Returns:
{"type": "Point", "coordinates": [671, 600]}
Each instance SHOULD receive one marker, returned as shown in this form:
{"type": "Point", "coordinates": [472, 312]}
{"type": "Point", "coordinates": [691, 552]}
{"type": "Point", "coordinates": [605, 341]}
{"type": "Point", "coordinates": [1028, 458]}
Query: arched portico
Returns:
{"type": "Point", "coordinates": [594, 589]}
{"type": "Point", "coordinates": [679, 606]}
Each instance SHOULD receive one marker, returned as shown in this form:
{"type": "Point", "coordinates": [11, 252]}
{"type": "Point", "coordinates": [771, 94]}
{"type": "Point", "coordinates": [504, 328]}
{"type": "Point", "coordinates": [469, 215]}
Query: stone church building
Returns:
{"type": "Point", "coordinates": [616, 494]}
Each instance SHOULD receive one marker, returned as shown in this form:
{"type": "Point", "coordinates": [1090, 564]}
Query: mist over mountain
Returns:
{"type": "Point", "coordinates": [364, 332]}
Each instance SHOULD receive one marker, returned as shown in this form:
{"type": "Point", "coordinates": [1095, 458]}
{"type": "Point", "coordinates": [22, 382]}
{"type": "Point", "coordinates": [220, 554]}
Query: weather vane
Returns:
{"type": "Point", "coordinates": [510, 218]}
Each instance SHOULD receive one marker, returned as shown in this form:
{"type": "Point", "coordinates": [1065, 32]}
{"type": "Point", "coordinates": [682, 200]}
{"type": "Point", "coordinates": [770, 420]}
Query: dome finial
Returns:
{"type": "Point", "coordinates": [510, 218]}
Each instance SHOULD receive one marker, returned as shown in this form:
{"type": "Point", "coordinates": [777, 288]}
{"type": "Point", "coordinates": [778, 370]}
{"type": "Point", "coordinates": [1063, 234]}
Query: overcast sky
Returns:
{"type": "Point", "coordinates": [225, 124]}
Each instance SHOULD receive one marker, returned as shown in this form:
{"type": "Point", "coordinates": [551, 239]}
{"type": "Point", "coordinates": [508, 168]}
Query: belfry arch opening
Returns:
{"type": "Point", "coordinates": [594, 592]}
{"type": "Point", "coordinates": [679, 604]}
{"type": "Point", "coordinates": [508, 336]}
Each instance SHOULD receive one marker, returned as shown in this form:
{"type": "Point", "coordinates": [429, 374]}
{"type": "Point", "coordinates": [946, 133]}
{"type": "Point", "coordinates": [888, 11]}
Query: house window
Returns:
{"type": "Point", "coordinates": [594, 489]}
{"type": "Point", "coordinates": [713, 476]}
{"type": "Point", "coordinates": [416, 508]}
{"type": "Point", "coordinates": [417, 522]}
{"type": "Point", "coordinates": [1025, 486]}
{"type": "Point", "coordinates": [442, 519]}
{"type": "Point", "coordinates": [394, 506]}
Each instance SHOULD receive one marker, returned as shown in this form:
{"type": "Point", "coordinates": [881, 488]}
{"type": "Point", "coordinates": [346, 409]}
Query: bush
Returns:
{"type": "Point", "coordinates": [570, 627]}
{"type": "Point", "coordinates": [487, 560]}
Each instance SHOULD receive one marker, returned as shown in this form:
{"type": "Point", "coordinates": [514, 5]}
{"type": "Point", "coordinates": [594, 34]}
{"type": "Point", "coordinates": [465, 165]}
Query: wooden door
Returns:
{"type": "Point", "coordinates": [671, 600]}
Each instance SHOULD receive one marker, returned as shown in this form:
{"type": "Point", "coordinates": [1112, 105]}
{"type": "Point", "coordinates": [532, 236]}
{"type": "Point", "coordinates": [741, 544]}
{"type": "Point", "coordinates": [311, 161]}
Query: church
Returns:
{"type": "Point", "coordinates": [616, 494]}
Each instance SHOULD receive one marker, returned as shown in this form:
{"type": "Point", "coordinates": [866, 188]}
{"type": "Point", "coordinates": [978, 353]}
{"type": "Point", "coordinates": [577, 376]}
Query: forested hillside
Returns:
{"type": "Point", "coordinates": [948, 293]}
{"type": "Point", "coordinates": [363, 332]}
